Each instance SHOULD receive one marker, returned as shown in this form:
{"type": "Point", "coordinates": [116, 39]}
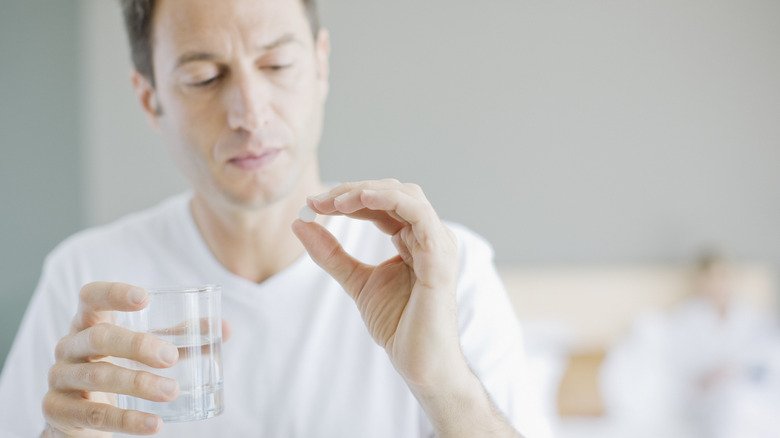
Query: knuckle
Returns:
{"type": "Point", "coordinates": [393, 181]}
{"type": "Point", "coordinates": [116, 291]}
{"type": "Point", "coordinates": [143, 382]}
{"type": "Point", "coordinates": [54, 376]}
{"type": "Point", "coordinates": [99, 333]}
{"type": "Point", "coordinates": [412, 186]}
{"type": "Point", "coordinates": [97, 416]}
{"type": "Point", "coordinates": [77, 322]}
{"type": "Point", "coordinates": [125, 420]}
{"type": "Point", "coordinates": [84, 293]}
{"type": "Point", "coordinates": [415, 189]}
{"type": "Point", "coordinates": [140, 343]}
{"type": "Point", "coordinates": [49, 405]}
{"type": "Point", "coordinates": [347, 187]}
{"type": "Point", "coordinates": [61, 349]}
{"type": "Point", "coordinates": [453, 240]}
{"type": "Point", "coordinates": [97, 375]}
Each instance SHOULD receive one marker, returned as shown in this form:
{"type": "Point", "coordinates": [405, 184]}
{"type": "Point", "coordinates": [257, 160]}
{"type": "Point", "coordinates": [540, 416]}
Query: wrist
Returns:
{"type": "Point", "coordinates": [451, 376]}
{"type": "Point", "coordinates": [458, 406]}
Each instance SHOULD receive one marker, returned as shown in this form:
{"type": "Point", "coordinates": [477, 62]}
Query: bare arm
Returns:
{"type": "Point", "coordinates": [463, 409]}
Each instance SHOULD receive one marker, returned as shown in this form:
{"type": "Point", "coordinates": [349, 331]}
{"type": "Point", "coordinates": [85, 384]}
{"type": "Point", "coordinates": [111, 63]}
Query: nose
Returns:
{"type": "Point", "coordinates": [248, 103]}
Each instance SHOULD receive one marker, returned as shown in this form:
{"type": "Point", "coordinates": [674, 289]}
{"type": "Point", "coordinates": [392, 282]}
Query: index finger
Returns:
{"type": "Point", "coordinates": [388, 220]}
{"type": "Point", "coordinates": [401, 203]}
{"type": "Point", "coordinates": [98, 300]}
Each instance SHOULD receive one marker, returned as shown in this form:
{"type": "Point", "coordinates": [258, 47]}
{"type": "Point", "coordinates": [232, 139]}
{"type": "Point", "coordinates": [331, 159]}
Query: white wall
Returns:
{"type": "Point", "coordinates": [564, 131]}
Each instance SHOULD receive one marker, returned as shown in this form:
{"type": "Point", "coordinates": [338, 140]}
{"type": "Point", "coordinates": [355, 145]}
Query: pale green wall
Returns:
{"type": "Point", "coordinates": [40, 158]}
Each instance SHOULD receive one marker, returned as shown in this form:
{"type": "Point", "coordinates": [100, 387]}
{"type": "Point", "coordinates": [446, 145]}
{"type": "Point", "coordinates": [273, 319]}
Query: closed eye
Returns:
{"type": "Point", "coordinates": [205, 83]}
{"type": "Point", "coordinates": [278, 67]}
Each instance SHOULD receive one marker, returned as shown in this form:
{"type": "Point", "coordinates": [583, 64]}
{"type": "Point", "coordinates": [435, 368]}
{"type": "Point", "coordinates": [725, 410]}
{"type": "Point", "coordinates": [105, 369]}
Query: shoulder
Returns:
{"type": "Point", "coordinates": [480, 289]}
{"type": "Point", "coordinates": [471, 246]}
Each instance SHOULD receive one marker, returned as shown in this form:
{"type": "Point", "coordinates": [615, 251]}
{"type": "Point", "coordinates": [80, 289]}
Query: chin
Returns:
{"type": "Point", "coordinates": [257, 196]}
{"type": "Point", "coordinates": [258, 190]}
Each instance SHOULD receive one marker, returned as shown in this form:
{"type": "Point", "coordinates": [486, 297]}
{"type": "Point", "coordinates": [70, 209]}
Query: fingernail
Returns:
{"type": "Point", "coordinates": [342, 197]}
{"type": "Point", "coordinates": [168, 386]}
{"type": "Point", "coordinates": [369, 192]}
{"type": "Point", "coordinates": [320, 197]}
{"type": "Point", "coordinates": [168, 353]}
{"type": "Point", "coordinates": [151, 423]}
{"type": "Point", "coordinates": [136, 295]}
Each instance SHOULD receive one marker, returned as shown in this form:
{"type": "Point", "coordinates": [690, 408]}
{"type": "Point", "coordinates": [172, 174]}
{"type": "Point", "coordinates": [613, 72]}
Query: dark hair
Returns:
{"type": "Point", "coordinates": [139, 14]}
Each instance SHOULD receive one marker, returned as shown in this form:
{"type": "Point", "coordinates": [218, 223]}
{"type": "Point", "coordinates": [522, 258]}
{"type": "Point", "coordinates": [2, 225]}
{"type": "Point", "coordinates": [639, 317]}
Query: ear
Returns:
{"type": "Point", "coordinates": [322, 53]}
{"type": "Point", "coordinates": [147, 97]}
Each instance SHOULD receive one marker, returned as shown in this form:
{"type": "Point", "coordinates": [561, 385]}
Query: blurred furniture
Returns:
{"type": "Point", "coordinates": [595, 306]}
{"type": "Point", "coordinates": [578, 392]}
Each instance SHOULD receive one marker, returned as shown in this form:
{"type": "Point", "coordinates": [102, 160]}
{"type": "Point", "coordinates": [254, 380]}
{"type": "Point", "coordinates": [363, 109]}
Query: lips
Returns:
{"type": "Point", "coordinates": [255, 160]}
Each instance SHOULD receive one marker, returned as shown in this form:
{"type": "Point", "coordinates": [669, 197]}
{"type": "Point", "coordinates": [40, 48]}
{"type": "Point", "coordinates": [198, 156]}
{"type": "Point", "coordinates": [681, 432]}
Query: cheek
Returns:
{"type": "Point", "coordinates": [190, 137]}
{"type": "Point", "coordinates": [196, 122]}
{"type": "Point", "coordinates": [301, 112]}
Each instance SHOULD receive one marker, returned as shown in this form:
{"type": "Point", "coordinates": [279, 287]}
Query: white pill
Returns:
{"type": "Point", "coordinates": [307, 214]}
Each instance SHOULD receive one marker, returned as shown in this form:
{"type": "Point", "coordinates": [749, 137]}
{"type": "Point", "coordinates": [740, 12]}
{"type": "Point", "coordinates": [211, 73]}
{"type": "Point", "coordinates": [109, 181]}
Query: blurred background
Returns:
{"type": "Point", "coordinates": [604, 143]}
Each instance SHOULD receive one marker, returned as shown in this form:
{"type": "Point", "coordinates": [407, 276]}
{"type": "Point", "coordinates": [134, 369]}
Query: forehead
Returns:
{"type": "Point", "coordinates": [218, 25]}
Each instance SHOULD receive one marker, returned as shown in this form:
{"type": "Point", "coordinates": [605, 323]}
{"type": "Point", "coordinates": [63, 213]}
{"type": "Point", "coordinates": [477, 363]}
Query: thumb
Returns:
{"type": "Point", "coordinates": [328, 253]}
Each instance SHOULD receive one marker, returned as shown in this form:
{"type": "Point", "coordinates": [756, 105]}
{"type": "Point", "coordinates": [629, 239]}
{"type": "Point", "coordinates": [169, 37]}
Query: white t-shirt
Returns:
{"type": "Point", "coordinates": [300, 362]}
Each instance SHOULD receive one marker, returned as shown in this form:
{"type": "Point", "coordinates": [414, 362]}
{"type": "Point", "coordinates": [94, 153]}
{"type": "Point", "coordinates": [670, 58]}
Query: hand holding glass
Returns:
{"type": "Point", "coordinates": [191, 319]}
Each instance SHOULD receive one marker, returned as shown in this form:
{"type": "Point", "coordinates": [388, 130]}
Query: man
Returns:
{"type": "Point", "coordinates": [236, 88]}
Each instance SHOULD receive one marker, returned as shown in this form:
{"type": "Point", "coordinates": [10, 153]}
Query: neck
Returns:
{"type": "Point", "coordinates": [254, 243]}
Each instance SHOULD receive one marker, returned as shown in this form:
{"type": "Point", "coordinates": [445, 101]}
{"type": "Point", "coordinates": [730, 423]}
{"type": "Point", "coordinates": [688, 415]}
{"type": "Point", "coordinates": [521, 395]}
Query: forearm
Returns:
{"type": "Point", "coordinates": [460, 407]}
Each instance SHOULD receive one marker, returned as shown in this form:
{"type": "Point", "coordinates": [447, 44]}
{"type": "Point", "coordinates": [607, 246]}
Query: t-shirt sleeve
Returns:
{"type": "Point", "coordinates": [24, 380]}
{"type": "Point", "coordinates": [491, 337]}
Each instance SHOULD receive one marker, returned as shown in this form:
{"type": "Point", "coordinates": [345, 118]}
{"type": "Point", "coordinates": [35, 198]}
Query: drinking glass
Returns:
{"type": "Point", "coordinates": [189, 318]}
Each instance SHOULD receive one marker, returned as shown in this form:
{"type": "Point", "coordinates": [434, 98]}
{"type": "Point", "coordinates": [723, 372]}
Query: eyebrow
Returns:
{"type": "Point", "coordinates": [282, 40]}
{"type": "Point", "coordinates": [205, 56]}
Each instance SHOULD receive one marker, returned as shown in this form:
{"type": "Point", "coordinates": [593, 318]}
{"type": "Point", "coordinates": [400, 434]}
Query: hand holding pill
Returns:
{"type": "Point", "coordinates": [408, 301]}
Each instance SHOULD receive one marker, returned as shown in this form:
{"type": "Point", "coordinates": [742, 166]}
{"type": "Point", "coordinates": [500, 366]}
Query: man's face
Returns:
{"type": "Point", "coordinates": [241, 86]}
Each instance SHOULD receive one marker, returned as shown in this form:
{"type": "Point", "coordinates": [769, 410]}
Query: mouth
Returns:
{"type": "Point", "coordinates": [255, 160]}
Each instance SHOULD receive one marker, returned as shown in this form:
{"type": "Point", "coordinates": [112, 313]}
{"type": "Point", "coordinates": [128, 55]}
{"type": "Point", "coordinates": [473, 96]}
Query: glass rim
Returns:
{"type": "Point", "coordinates": [203, 288]}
